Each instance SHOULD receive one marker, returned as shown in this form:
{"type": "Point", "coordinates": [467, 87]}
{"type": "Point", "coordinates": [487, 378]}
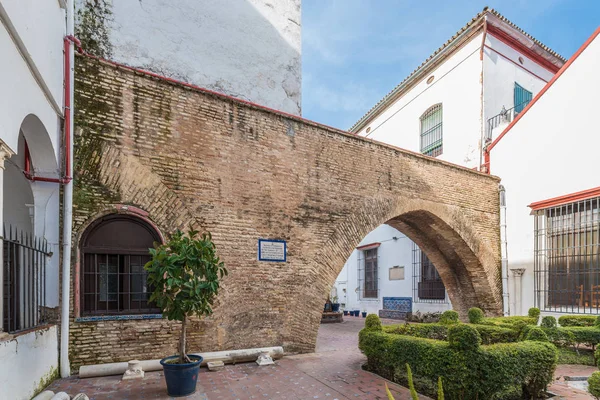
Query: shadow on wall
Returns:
{"type": "Point", "coordinates": [248, 49]}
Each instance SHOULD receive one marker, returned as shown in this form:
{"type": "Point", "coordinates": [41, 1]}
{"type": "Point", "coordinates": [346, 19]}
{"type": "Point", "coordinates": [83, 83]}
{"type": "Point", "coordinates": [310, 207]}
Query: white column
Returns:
{"type": "Point", "coordinates": [518, 296]}
{"type": "Point", "coordinates": [5, 153]}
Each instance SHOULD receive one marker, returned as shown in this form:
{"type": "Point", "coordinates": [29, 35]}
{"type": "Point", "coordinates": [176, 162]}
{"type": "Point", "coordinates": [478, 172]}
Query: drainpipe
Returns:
{"type": "Point", "coordinates": [65, 367]}
{"type": "Point", "coordinates": [504, 252]}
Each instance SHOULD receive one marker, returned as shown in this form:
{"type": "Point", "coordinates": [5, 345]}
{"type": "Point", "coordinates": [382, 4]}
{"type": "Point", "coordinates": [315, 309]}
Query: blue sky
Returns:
{"type": "Point", "coordinates": [356, 51]}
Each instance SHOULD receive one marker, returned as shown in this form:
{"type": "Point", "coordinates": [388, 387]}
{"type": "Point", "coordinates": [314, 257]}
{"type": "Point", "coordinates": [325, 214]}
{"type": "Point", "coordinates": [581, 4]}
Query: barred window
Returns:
{"type": "Point", "coordinates": [113, 279]}
{"type": "Point", "coordinates": [431, 131]}
{"type": "Point", "coordinates": [567, 257]}
{"type": "Point", "coordinates": [370, 274]}
{"type": "Point", "coordinates": [427, 283]}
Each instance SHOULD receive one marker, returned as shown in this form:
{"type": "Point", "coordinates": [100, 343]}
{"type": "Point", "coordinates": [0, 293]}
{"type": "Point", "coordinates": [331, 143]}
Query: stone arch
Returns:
{"type": "Point", "coordinates": [467, 263]}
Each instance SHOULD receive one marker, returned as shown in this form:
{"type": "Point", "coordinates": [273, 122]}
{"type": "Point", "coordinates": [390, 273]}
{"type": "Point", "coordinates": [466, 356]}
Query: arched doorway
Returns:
{"type": "Point", "coordinates": [114, 250]}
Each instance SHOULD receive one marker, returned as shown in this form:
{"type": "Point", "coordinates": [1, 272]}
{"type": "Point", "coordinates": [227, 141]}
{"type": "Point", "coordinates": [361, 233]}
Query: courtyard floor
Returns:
{"type": "Point", "coordinates": [333, 372]}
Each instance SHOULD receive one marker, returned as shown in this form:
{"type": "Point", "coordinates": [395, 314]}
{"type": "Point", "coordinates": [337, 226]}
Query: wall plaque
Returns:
{"type": "Point", "coordinates": [272, 250]}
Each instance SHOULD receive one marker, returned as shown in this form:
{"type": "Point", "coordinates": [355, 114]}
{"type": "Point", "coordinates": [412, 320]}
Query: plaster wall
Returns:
{"type": "Point", "coordinates": [250, 49]}
{"type": "Point", "coordinates": [549, 152]}
{"type": "Point", "coordinates": [457, 85]}
{"type": "Point", "coordinates": [29, 363]}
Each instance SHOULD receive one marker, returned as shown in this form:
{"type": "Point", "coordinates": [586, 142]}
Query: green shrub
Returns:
{"type": "Point", "coordinates": [560, 337]}
{"type": "Point", "coordinates": [481, 374]}
{"type": "Point", "coordinates": [475, 315]}
{"type": "Point", "coordinates": [597, 322]}
{"type": "Point", "coordinates": [449, 317]}
{"type": "Point", "coordinates": [577, 320]}
{"type": "Point", "coordinates": [548, 322]}
{"type": "Point", "coordinates": [537, 334]}
{"type": "Point", "coordinates": [440, 389]}
{"type": "Point", "coordinates": [568, 355]}
{"type": "Point", "coordinates": [587, 335]}
{"type": "Point", "coordinates": [533, 312]}
{"type": "Point", "coordinates": [594, 384]}
{"type": "Point", "coordinates": [373, 322]}
{"type": "Point", "coordinates": [411, 385]}
{"type": "Point", "coordinates": [463, 337]}
{"type": "Point", "coordinates": [597, 357]}
{"type": "Point", "coordinates": [495, 334]}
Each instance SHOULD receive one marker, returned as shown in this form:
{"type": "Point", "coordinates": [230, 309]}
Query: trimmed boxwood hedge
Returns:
{"type": "Point", "coordinates": [577, 320]}
{"type": "Point", "coordinates": [489, 334]}
{"type": "Point", "coordinates": [587, 335]}
{"type": "Point", "coordinates": [486, 372]}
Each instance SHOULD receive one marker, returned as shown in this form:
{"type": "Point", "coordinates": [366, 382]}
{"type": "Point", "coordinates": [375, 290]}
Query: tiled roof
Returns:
{"type": "Point", "coordinates": [473, 22]}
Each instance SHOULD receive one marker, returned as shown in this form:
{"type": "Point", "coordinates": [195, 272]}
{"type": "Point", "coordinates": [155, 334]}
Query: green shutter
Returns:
{"type": "Point", "coordinates": [522, 98]}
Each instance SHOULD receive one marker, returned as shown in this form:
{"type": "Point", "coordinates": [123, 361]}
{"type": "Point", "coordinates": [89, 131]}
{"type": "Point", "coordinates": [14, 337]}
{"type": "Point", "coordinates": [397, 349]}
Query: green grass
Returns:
{"type": "Point", "coordinates": [570, 356]}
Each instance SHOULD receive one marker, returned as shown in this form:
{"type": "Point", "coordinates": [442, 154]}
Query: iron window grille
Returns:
{"type": "Point", "coordinates": [427, 283]}
{"type": "Point", "coordinates": [431, 131]}
{"type": "Point", "coordinates": [567, 257]}
{"type": "Point", "coordinates": [113, 278]}
{"type": "Point", "coordinates": [368, 277]}
{"type": "Point", "coordinates": [24, 302]}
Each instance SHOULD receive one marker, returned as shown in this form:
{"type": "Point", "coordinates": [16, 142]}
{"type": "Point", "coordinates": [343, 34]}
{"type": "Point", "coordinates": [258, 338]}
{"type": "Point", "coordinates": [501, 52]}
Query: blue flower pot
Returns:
{"type": "Point", "coordinates": [345, 312]}
{"type": "Point", "coordinates": [181, 378]}
{"type": "Point", "coordinates": [364, 314]}
{"type": "Point", "coordinates": [357, 313]}
{"type": "Point", "coordinates": [335, 307]}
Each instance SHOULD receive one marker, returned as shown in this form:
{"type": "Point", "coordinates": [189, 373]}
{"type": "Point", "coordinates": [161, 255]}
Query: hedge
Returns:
{"type": "Point", "coordinates": [577, 320]}
{"type": "Point", "coordinates": [560, 337]}
{"type": "Point", "coordinates": [484, 373]}
{"type": "Point", "coordinates": [588, 335]}
{"type": "Point", "coordinates": [449, 317]}
{"type": "Point", "coordinates": [475, 315]}
{"type": "Point", "coordinates": [490, 334]}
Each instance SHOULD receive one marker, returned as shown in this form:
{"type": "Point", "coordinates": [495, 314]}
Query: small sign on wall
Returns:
{"type": "Point", "coordinates": [272, 250]}
{"type": "Point", "coordinates": [397, 273]}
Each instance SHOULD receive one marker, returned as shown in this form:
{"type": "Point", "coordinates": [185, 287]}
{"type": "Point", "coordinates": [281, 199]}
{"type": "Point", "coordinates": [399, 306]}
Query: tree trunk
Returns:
{"type": "Point", "coordinates": [183, 358]}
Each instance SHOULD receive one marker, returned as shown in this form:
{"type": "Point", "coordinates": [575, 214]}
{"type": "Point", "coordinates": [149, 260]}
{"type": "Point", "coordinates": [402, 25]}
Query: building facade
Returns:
{"type": "Point", "coordinates": [31, 162]}
{"type": "Point", "coordinates": [447, 108]}
{"type": "Point", "coordinates": [249, 49]}
{"type": "Point", "coordinates": [546, 159]}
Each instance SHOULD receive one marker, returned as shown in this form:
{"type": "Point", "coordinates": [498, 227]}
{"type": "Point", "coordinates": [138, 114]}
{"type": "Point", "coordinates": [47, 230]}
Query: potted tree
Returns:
{"type": "Point", "coordinates": [335, 306]}
{"type": "Point", "coordinates": [185, 275]}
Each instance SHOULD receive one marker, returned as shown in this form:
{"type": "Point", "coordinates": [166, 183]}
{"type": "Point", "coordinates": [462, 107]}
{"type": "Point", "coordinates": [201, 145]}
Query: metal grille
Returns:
{"type": "Point", "coordinates": [115, 284]}
{"type": "Point", "coordinates": [368, 277]}
{"type": "Point", "coordinates": [24, 283]}
{"type": "Point", "coordinates": [431, 131]}
{"type": "Point", "coordinates": [427, 283]}
{"type": "Point", "coordinates": [505, 116]}
{"type": "Point", "coordinates": [567, 257]}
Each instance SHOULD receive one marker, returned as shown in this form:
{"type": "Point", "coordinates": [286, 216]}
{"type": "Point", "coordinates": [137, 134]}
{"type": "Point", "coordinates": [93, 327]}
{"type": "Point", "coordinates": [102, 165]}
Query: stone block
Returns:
{"type": "Point", "coordinates": [215, 365]}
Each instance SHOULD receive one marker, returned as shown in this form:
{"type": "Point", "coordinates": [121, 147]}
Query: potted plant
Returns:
{"type": "Point", "coordinates": [364, 313]}
{"type": "Point", "coordinates": [335, 306]}
{"type": "Point", "coordinates": [185, 275]}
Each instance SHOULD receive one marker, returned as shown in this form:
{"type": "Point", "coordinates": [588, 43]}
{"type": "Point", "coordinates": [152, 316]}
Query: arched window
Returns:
{"type": "Point", "coordinates": [114, 250]}
{"type": "Point", "coordinates": [431, 131]}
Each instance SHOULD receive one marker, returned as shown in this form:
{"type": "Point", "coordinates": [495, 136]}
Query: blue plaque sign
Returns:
{"type": "Point", "coordinates": [272, 250]}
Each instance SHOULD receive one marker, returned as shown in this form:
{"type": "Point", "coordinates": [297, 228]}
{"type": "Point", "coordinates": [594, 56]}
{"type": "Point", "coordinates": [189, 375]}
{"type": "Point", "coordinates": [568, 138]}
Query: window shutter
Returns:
{"type": "Point", "coordinates": [522, 97]}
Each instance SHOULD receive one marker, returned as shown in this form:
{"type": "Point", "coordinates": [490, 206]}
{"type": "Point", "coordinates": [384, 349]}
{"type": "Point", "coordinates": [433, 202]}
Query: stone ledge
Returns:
{"type": "Point", "coordinates": [119, 317]}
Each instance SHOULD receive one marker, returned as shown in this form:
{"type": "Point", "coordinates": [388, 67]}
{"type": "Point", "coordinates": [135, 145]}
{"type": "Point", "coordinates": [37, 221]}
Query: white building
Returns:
{"type": "Point", "coordinates": [31, 172]}
{"type": "Point", "coordinates": [447, 108]}
{"type": "Point", "coordinates": [547, 161]}
{"type": "Point", "coordinates": [248, 49]}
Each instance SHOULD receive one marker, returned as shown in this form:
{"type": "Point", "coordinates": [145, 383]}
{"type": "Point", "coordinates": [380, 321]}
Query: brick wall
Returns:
{"type": "Point", "coordinates": [185, 156]}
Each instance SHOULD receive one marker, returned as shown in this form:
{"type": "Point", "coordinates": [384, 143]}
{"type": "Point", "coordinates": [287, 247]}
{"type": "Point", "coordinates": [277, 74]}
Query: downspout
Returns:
{"type": "Point", "coordinates": [65, 367]}
{"type": "Point", "coordinates": [482, 138]}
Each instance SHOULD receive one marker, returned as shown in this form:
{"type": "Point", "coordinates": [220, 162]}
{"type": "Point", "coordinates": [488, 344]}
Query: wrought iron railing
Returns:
{"type": "Point", "coordinates": [427, 287]}
{"type": "Point", "coordinates": [25, 258]}
{"type": "Point", "coordinates": [505, 116]}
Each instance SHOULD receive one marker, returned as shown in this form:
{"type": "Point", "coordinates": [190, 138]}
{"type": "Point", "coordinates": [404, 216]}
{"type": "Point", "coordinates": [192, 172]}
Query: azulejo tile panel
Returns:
{"type": "Point", "coordinates": [403, 304]}
{"type": "Point", "coordinates": [99, 318]}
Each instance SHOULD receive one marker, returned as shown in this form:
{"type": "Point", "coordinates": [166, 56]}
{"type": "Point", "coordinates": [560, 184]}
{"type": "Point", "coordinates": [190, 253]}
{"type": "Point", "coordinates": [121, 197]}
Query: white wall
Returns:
{"type": "Point", "coordinates": [457, 86]}
{"type": "Point", "coordinates": [28, 363]}
{"type": "Point", "coordinates": [551, 151]}
{"type": "Point", "coordinates": [245, 48]}
{"type": "Point", "coordinates": [391, 252]}
{"type": "Point", "coordinates": [500, 75]}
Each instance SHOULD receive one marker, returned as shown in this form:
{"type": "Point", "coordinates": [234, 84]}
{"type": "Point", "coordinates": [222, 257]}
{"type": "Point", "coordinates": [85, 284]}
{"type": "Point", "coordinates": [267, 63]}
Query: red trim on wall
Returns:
{"type": "Point", "coordinates": [566, 199]}
{"type": "Point", "coordinates": [521, 48]}
{"type": "Point", "coordinates": [131, 209]}
{"type": "Point", "coordinates": [545, 88]}
{"type": "Point", "coordinates": [517, 64]}
{"type": "Point", "coordinates": [369, 246]}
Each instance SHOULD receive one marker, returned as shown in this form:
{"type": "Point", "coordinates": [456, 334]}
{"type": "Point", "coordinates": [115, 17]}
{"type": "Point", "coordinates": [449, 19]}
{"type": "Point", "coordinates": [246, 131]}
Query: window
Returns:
{"type": "Point", "coordinates": [522, 98]}
{"type": "Point", "coordinates": [370, 289]}
{"type": "Point", "coordinates": [431, 131]}
{"type": "Point", "coordinates": [113, 279]}
{"type": "Point", "coordinates": [427, 283]}
{"type": "Point", "coordinates": [567, 257]}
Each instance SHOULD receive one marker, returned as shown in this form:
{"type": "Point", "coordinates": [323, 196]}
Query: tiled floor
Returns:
{"type": "Point", "coordinates": [333, 372]}
{"type": "Point", "coordinates": [564, 389]}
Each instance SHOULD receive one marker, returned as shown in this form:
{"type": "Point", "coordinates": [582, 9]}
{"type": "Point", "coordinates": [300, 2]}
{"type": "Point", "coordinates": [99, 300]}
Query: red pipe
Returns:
{"type": "Point", "coordinates": [67, 122]}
